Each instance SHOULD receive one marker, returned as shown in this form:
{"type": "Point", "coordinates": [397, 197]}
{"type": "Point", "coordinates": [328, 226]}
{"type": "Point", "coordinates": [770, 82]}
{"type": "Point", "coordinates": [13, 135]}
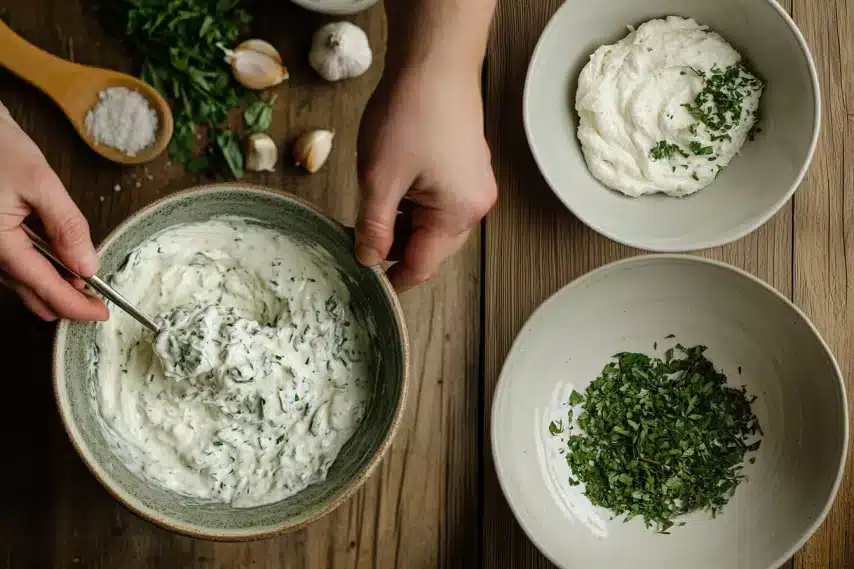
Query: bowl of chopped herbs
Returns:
{"type": "Point", "coordinates": [669, 412]}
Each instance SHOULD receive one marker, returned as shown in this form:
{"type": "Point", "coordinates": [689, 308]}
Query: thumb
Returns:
{"type": "Point", "coordinates": [64, 224]}
{"type": "Point", "coordinates": [377, 214]}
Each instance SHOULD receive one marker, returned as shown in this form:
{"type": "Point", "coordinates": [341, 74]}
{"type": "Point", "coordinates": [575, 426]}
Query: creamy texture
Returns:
{"type": "Point", "coordinates": [269, 369]}
{"type": "Point", "coordinates": [636, 130]}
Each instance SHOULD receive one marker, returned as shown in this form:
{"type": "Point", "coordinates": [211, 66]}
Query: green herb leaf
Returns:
{"type": "Point", "coordinates": [556, 428]}
{"type": "Point", "coordinates": [258, 115]}
{"type": "Point", "coordinates": [230, 152]}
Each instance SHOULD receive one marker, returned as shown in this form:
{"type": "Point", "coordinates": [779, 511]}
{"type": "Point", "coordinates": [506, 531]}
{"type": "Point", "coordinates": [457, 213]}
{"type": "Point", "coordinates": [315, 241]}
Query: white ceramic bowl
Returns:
{"type": "Point", "coordinates": [747, 193]}
{"type": "Point", "coordinates": [629, 306]}
{"type": "Point", "coordinates": [336, 7]}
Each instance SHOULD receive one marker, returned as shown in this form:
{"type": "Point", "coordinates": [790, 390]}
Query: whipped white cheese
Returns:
{"type": "Point", "coordinates": [269, 369]}
{"type": "Point", "coordinates": [665, 108]}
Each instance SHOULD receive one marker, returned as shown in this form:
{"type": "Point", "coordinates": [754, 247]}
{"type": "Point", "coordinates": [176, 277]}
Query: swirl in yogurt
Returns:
{"type": "Point", "coordinates": [665, 109]}
{"type": "Point", "coordinates": [260, 374]}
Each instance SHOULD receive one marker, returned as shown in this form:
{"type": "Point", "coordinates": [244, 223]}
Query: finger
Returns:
{"type": "Point", "coordinates": [383, 190]}
{"type": "Point", "coordinates": [25, 265]}
{"type": "Point", "coordinates": [30, 300]}
{"type": "Point", "coordinates": [427, 249]}
{"type": "Point", "coordinates": [65, 226]}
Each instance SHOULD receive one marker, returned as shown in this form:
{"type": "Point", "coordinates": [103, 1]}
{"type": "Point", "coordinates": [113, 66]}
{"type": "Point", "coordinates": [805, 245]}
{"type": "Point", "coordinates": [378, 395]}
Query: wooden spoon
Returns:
{"type": "Point", "coordinates": [75, 89]}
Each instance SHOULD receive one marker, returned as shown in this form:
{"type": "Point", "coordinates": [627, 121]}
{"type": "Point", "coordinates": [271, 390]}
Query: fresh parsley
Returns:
{"type": "Point", "coordinates": [661, 438]}
{"type": "Point", "coordinates": [258, 115]}
{"type": "Point", "coordinates": [177, 42]}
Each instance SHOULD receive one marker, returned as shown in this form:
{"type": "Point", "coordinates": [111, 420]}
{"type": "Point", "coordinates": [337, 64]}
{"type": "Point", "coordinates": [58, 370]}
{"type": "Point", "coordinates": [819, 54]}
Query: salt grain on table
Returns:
{"type": "Point", "coordinates": [122, 119]}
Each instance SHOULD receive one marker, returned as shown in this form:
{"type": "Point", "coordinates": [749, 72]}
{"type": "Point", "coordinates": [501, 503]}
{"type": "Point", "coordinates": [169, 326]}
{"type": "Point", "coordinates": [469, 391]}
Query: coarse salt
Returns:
{"type": "Point", "coordinates": [122, 119]}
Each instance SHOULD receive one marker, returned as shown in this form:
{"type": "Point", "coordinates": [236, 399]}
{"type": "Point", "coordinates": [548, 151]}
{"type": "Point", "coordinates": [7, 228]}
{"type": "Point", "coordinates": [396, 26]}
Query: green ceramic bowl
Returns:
{"type": "Point", "coordinates": [372, 295]}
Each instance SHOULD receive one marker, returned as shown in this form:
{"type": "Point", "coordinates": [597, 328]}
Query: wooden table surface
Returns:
{"type": "Point", "coordinates": [434, 501]}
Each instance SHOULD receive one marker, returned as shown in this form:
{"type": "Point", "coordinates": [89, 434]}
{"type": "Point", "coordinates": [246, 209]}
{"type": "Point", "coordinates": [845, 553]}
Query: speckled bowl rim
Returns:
{"type": "Point", "coordinates": [689, 245]}
{"type": "Point", "coordinates": [190, 530]}
{"type": "Point", "coordinates": [583, 279]}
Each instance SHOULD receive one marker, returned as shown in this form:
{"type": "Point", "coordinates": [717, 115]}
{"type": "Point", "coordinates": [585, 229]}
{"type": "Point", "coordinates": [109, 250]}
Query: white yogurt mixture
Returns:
{"type": "Point", "coordinates": [665, 109]}
{"type": "Point", "coordinates": [264, 371]}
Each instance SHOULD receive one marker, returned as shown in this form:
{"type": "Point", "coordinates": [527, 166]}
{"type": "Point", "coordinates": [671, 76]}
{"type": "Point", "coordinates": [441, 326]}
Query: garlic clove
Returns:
{"type": "Point", "coordinates": [256, 64]}
{"type": "Point", "coordinates": [263, 47]}
{"type": "Point", "coordinates": [261, 153]}
{"type": "Point", "coordinates": [312, 149]}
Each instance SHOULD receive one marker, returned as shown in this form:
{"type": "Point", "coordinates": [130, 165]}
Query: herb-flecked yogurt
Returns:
{"type": "Point", "coordinates": [665, 109]}
{"type": "Point", "coordinates": [259, 376]}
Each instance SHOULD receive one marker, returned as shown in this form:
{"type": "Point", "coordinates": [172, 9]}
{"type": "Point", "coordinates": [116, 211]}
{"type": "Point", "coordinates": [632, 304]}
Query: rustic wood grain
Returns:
{"type": "Point", "coordinates": [420, 509]}
{"type": "Point", "coordinates": [533, 247]}
{"type": "Point", "coordinates": [824, 212]}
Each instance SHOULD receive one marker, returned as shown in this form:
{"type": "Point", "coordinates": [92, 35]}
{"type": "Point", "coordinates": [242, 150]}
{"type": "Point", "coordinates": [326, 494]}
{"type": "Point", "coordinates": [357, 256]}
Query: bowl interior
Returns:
{"type": "Point", "coordinates": [748, 192]}
{"type": "Point", "coordinates": [748, 328]}
{"type": "Point", "coordinates": [370, 297]}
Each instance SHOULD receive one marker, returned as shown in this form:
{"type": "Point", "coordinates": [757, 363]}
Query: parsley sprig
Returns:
{"type": "Point", "coordinates": [661, 438]}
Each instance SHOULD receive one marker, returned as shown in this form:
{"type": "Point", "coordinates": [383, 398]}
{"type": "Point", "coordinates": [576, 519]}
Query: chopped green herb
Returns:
{"type": "Point", "coordinates": [665, 150]}
{"type": "Point", "coordinates": [700, 150]}
{"type": "Point", "coordinates": [719, 105]}
{"type": "Point", "coordinates": [660, 439]}
{"type": "Point", "coordinates": [556, 428]}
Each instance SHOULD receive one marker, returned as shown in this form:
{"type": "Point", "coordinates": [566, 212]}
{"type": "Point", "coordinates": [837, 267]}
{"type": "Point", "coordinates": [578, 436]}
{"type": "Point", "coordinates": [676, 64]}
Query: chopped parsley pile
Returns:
{"type": "Point", "coordinates": [717, 110]}
{"type": "Point", "coordinates": [660, 438]}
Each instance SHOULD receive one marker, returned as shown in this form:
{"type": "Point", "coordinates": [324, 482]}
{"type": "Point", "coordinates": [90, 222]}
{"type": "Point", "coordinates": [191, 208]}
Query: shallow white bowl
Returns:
{"type": "Point", "coordinates": [336, 7]}
{"type": "Point", "coordinates": [629, 306]}
{"type": "Point", "coordinates": [747, 193]}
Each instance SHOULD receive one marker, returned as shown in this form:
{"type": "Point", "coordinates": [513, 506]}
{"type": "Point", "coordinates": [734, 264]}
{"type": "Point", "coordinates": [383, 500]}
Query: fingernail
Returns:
{"type": "Point", "coordinates": [368, 256]}
{"type": "Point", "coordinates": [89, 263]}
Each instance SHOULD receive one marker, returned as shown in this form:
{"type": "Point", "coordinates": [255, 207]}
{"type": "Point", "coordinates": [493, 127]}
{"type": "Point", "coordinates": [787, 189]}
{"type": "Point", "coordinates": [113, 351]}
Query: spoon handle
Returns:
{"type": "Point", "coordinates": [47, 72]}
{"type": "Point", "coordinates": [95, 282]}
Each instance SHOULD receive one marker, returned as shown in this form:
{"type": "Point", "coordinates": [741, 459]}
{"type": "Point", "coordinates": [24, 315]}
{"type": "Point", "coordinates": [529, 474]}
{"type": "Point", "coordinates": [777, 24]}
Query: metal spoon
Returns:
{"type": "Point", "coordinates": [94, 282]}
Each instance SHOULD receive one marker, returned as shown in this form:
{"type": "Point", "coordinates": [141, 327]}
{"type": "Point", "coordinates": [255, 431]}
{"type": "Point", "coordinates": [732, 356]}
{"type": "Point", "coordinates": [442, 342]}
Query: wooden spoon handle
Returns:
{"type": "Point", "coordinates": [51, 74]}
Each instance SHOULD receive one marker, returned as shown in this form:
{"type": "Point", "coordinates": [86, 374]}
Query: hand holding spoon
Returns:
{"type": "Point", "coordinates": [75, 89]}
{"type": "Point", "coordinates": [95, 282]}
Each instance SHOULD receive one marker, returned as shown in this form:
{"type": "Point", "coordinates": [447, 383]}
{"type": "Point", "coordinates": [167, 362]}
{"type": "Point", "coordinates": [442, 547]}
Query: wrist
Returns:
{"type": "Point", "coordinates": [449, 40]}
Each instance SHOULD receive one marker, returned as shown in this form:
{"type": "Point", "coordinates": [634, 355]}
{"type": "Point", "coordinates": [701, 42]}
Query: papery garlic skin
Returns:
{"type": "Point", "coordinates": [256, 64]}
{"type": "Point", "coordinates": [340, 50]}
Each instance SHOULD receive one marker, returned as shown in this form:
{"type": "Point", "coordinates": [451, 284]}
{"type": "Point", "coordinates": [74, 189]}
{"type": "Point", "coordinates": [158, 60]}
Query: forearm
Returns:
{"type": "Point", "coordinates": [450, 33]}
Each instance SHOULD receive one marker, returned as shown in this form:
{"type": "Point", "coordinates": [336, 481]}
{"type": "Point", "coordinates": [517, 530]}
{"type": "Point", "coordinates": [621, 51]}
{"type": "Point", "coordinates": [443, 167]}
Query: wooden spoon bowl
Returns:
{"type": "Point", "coordinates": [75, 89]}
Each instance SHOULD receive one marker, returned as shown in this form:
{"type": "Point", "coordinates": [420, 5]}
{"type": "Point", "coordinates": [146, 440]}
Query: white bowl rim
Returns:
{"type": "Point", "coordinates": [579, 281]}
{"type": "Point", "coordinates": [342, 9]}
{"type": "Point", "coordinates": [691, 245]}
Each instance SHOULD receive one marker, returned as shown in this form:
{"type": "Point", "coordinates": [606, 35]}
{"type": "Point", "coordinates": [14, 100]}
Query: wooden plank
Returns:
{"type": "Point", "coordinates": [419, 508]}
{"type": "Point", "coordinates": [534, 246]}
{"type": "Point", "coordinates": [824, 212]}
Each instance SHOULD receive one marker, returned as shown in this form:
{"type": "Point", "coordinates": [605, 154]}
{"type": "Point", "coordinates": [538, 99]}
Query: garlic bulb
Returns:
{"type": "Point", "coordinates": [256, 64]}
{"type": "Point", "coordinates": [261, 153]}
{"type": "Point", "coordinates": [312, 149]}
{"type": "Point", "coordinates": [340, 50]}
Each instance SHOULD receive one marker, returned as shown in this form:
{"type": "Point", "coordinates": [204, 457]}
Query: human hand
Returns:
{"type": "Point", "coordinates": [28, 185]}
{"type": "Point", "coordinates": [422, 139]}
